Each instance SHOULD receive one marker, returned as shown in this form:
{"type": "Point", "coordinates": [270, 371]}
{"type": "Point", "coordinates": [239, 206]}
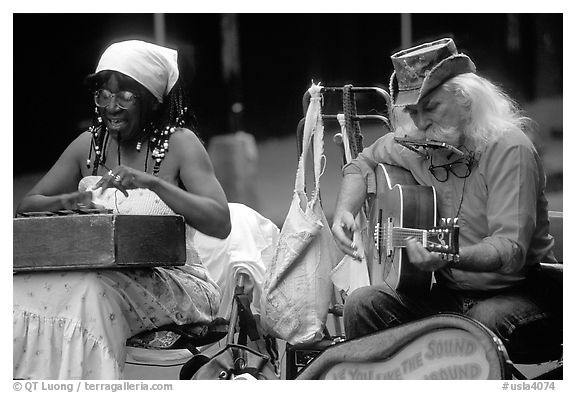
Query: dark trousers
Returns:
{"type": "Point", "coordinates": [512, 314]}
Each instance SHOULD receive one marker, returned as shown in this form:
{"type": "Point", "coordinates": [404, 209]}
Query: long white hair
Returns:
{"type": "Point", "coordinates": [491, 112]}
{"type": "Point", "coordinates": [488, 109]}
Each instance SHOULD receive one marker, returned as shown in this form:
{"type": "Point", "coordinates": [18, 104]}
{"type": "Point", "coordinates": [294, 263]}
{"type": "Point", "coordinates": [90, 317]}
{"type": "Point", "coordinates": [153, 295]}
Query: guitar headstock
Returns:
{"type": "Point", "coordinates": [444, 238]}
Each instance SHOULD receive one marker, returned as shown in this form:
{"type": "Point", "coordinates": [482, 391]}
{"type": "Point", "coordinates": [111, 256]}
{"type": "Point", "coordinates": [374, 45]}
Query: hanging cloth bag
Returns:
{"type": "Point", "coordinates": [297, 288]}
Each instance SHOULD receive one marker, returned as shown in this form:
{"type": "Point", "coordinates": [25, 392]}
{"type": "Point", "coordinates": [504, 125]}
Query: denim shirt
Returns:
{"type": "Point", "coordinates": [501, 203]}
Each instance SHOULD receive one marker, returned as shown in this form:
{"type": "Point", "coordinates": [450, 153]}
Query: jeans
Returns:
{"type": "Point", "coordinates": [373, 308]}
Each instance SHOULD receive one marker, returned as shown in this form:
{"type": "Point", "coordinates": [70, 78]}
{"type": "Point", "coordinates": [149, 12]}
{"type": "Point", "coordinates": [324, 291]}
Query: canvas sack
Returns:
{"type": "Point", "coordinates": [297, 288]}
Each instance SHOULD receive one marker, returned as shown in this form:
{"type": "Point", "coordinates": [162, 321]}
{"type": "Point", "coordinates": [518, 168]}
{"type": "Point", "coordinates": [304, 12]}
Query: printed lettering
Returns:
{"type": "Point", "coordinates": [459, 371]}
{"type": "Point", "coordinates": [360, 374]}
{"type": "Point", "coordinates": [412, 363]}
{"type": "Point", "coordinates": [391, 374]}
{"type": "Point", "coordinates": [450, 347]}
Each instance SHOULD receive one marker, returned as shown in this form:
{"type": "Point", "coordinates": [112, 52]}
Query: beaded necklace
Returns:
{"type": "Point", "coordinates": [157, 142]}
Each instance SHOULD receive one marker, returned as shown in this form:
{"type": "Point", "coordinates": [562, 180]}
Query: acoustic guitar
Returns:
{"type": "Point", "coordinates": [403, 209]}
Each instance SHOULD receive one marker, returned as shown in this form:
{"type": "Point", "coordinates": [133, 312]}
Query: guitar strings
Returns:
{"type": "Point", "coordinates": [399, 234]}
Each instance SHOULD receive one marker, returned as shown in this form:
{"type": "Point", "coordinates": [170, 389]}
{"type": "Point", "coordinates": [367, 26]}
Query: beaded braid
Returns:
{"type": "Point", "coordinates": [176, 114]}
{"type": "Point", "coordinates": [97, 143]}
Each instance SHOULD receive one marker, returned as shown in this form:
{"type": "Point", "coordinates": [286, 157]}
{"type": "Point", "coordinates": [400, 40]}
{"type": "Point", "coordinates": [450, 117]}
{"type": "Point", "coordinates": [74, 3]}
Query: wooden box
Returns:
{"type": "Point", "coordinates": [98, 241]}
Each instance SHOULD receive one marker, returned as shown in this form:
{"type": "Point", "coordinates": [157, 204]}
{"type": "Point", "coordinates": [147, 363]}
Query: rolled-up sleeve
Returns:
{"type": "Point", "coordinates": [363, 166]}
{"type": "Point", "coordinates": [513, 178]}
{"type": "Point", "coordinates": [384, 150]}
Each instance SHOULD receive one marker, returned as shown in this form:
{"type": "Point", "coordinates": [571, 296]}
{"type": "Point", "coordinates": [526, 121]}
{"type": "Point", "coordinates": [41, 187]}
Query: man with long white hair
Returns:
{"type": "Point", "coordinates": [459, 133]}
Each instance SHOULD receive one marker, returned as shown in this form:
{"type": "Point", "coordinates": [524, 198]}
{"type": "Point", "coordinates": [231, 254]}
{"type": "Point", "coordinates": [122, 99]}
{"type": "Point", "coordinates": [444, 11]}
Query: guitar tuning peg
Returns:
{"type": "Point", "coordinates": [456, 221]}
{"type": "Point", "coordinates": [449, 221]}
{"type": "Point", "coordinates": [442, 221]}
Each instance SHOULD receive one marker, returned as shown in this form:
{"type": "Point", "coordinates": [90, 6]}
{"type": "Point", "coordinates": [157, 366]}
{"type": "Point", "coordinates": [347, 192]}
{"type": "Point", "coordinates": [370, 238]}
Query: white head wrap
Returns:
{"type": "Point", "coordinates": [153, 66]}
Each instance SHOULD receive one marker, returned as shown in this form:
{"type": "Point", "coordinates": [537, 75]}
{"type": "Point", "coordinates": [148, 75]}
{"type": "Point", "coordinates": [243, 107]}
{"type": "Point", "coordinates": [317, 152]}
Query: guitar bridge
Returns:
{"type": "Point", "coordinates": [377, 236]}
{"type": "Point", "coordinates": [389, 244]}
{"type": "Point", "coordinates": [382, 238]}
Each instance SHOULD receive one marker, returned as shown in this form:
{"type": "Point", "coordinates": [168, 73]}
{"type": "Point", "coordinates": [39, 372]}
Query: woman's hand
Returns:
{"type": "Point", "coordinates": [78, 200]}
{"type": "Point", "coordinates": [125, 178]}
{"type": "Point", "coordinates": [343, 228]}
{"type": "Point", "coordinates": [424, 259]}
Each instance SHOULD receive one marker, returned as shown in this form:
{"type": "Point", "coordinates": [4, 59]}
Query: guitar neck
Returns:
{"type": "Point", "coordinates": [401, 235]}
{"type": "Point", "coordinates": [397, 236]}
{"type": "Point", "coordinates": [444, 240]}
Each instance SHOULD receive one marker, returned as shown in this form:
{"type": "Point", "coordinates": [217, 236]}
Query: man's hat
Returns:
{"type": "Point", "coordinates": [418, 70]}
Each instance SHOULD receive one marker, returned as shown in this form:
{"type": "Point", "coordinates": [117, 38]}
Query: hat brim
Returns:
{"type": "Point", "coordinates": [407, 97]}
{"type": "Point", "coordinates": [442, 72]}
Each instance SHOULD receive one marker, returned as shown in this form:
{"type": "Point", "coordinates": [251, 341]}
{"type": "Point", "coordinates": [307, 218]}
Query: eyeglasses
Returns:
{"type": "Point", "coordinates": [460, 168]}
{"type": "Point", "coordinates": [124, 99]}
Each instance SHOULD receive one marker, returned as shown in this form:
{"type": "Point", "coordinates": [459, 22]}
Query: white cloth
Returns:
{"type": "Point", "coordinates": [351, 274]}
{"type": "Point", "coordinates": [248, 249]}
{"type": "Point", "coordinates": [74, 324]}
{"type": "Point", "coordinates": [153, 66]}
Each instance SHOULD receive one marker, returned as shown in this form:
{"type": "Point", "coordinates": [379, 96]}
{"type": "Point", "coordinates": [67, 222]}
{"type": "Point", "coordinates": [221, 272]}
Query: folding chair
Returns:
{"type": "Point", "coordinates": [196, 338]}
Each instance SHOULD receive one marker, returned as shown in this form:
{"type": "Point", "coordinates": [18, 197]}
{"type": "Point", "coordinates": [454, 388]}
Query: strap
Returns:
{"type": "Point", "coordinates": [352, 125]}
{"type": "Point", "coordinates": [313, 126]}
{"type": "Point", "coordinates": [318, 148]}
{"type": "Point", "coordinates": [345, 138]}
{"type": "Point", "coordinates": [247, 322]}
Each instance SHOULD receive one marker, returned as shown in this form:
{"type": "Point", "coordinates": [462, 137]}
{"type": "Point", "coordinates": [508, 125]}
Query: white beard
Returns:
{"type": "Point", "coordinates": [450, 135]}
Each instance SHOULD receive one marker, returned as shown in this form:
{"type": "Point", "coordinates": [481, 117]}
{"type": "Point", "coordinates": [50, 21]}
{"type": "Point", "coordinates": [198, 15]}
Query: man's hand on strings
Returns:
{"type": "Point", "coordinates": [343, 229]}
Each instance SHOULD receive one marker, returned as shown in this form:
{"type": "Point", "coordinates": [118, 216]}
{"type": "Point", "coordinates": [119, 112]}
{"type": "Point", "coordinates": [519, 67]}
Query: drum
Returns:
{"type": "Point", "coordinates": [444, 346]}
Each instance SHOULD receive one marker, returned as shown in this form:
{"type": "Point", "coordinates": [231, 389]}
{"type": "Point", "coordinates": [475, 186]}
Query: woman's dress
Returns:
{"type": "Point", "coordinates": [74, 324]}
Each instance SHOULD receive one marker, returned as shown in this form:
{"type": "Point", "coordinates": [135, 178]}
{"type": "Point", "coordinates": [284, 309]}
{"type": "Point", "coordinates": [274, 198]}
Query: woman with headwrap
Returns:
{"type": "Point", "coordinates": [139, 157]}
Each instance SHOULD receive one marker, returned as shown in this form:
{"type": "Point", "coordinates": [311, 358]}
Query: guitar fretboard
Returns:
{"type": "Point", "coordinates": [397, 237]}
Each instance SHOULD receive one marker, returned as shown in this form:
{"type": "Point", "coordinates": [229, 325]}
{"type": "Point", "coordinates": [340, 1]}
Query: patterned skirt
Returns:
{"type": "Point", "coordinates": [74, 325]}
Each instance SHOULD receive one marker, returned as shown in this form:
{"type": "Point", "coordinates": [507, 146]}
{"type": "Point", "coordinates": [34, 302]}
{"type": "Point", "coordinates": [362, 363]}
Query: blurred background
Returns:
{"type": "Point", "coordinates": [248, 72]}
